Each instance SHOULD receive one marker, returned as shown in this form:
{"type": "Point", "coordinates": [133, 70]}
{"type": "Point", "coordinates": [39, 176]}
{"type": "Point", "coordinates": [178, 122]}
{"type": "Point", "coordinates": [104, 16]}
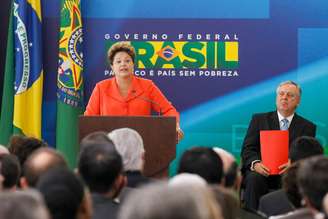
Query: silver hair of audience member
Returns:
{"type": "Point", "coordinates": [27, 204]}
{"type": "Point", "coordinates": [3, 150]}
{"type": "Point", "coordinates": [226, 157]}
{"type": "Point", "coordinates": [129, 145]}
{"type": "Point", "coordinates": [161, 201]}
{"type": "Point", "coordinates": [187, 179]}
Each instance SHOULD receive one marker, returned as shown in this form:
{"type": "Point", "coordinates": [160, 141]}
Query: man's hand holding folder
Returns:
{"type": "Point", "coordinates": [284, 167]}
{"type": "Point", "coordinates": [261, 169]}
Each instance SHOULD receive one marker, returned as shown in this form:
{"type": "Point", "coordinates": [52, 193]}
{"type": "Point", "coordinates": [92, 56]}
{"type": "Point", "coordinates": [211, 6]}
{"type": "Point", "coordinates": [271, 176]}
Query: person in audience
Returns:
{"type": "Point", "coordinates": [187, 179]}
{"type": "Point", "coordinates": [1, 178]}
{"type": "Point", "coordinates": [232, 177]}
{"type": "Point", "coordinates": [23, 147]}
{"type": "Point", "coordinates": [101, 167]}
{"type": "Point", "coordinates": [39, 162]}
{"type": "Point", "coordinates": [288, 198]}
{"type": "Point", "coordinates": [97, 136]}
{"type": "Point", "coordinates": [10, 170]}
{"type": "Point", "coordinates": [227, 201]}
{"type": "Point", "coordinates": [325, 206]}
{"type": "Point", "coordinates": [312, 181]}
{"type": "Point", "coordinates": [284, 200]}
{"type": "Point", "coordinates": [304, 147]}
{"type": "Point", "coordinates": [290, 186]}
{"type": "Point", "coordinates": [204, 162]}
{"type": "Point", "coordinates": [256, 178]}
{"type": "Point", "coordinates": [128, 95]}
{"type": "Point", "coordinates": [159, 200]}
{"type": "Point", "coordinates": [25, 204]}
{"type": "Point", "coordinates": [130, 146]}
{"type": "Point", "coordinates": [64, 194]}
{"type": "Point", "coordinates": [3, 150]}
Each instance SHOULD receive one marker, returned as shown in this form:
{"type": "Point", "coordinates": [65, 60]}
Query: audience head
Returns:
{"type": "Point", "coordinates": [40, 162]}
{"type": "Point", "coordinates": [10, 170]}
{"type": "Point", "coordinates": [227, 201]}
{"type": "Point", "coordinates": [98, 136]}
{"type": "Point", "coordinates": [289, 185]}
{"type": "Point", "coordinates": [303, 147]}
{"type": "Point", "coordinates": [130, 146]}
{"type": "Point", "coordinates": [25, 204]}
{"type": "Point", "coordinates": [64, 194]}
{"type": "Point", "coordinates": [187, 179]}
{"type": "Point", "coordinates": [204, 162]}
{"type": "Point", "coordinates": [1, 178]}
{"type": "Point", "coordinates": [230, 168]}
{"type": "Point", "coordinates": [23, 147]}
{"type": "Point", "coordinates": [325, 205]}
{"type": "Point", "coordinates": [161, 201]}
{"type": "Point", "coordinates": [101, 167]}
{"type": "Point", "coordinates": [313, 180]}
{"type": "Point", "coordinates": [3, 150]}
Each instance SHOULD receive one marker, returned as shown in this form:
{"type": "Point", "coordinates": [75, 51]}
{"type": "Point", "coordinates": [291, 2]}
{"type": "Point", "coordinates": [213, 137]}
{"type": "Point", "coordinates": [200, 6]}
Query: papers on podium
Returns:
{"type": "Point", "coordinates": [274, 149]}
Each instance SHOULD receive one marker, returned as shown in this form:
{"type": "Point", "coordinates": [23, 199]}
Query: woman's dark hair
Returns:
{"type": "Point", "coordinates": [121, 47]}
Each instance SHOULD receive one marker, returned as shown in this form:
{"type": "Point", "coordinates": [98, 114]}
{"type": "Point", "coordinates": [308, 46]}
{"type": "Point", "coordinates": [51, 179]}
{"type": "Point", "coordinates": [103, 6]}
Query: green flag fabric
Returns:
{"type": "Point", "coordinates": [7, 106]}
{"type": "Point", "coordinates": [69, 79]}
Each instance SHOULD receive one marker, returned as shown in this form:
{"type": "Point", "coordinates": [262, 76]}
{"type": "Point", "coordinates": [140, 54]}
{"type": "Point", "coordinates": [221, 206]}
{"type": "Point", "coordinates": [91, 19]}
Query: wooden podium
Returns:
{"type": "Point", "coordinates": [158, 134]}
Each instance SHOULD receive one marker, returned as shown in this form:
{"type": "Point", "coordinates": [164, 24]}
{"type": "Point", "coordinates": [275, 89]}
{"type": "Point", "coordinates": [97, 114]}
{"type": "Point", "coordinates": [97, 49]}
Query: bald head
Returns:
{"type": "Point", "coordinates": [40, 162]}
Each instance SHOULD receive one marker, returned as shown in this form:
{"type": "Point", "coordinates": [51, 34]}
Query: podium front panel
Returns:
{"type": "Point", "coordinates": [158, 134]}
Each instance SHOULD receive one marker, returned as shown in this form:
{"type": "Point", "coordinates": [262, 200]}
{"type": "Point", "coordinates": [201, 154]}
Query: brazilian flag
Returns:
{"type": "Point", "coordinates": [23, 79]}
{"type": "Point", "coordinates": [69, 79]}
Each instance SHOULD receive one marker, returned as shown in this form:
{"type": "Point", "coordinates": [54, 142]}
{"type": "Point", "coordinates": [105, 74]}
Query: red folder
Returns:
{"type": "Point", "coordinates": [274, 149]}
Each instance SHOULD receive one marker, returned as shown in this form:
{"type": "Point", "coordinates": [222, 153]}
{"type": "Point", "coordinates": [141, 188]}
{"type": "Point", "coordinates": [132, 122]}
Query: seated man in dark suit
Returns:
{"type": "Point", "coordinates": [257, 180]}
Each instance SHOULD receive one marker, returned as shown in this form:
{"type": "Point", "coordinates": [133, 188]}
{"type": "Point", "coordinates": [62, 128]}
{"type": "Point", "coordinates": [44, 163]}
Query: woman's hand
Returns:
{"type": "Point", "coordinates": [180, 134]}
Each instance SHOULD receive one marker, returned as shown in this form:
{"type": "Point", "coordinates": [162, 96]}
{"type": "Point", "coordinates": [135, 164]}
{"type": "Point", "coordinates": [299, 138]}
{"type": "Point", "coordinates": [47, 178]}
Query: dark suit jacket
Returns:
{"type": "Point", "coordinates": [269, 121]}
{"type": "Point", "coordinates": [136, 179]}
{"type": "Point", "coordinates": [250, 214]}
{"type": "Point", "coordinates": [104, 207]}
{"type": "Point", "coordinates": [275, 203]}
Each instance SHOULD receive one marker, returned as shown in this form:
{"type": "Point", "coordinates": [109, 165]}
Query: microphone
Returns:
{"type": "Point", "coordinates": [134, 93]}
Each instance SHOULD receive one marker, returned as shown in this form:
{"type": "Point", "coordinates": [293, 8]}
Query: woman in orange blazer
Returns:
{"type": "Point", "coordinates": [126, 94]}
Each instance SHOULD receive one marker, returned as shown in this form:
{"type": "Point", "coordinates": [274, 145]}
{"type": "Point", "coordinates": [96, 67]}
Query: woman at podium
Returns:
{"type": "Point", "coordinates": [127, 94]}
